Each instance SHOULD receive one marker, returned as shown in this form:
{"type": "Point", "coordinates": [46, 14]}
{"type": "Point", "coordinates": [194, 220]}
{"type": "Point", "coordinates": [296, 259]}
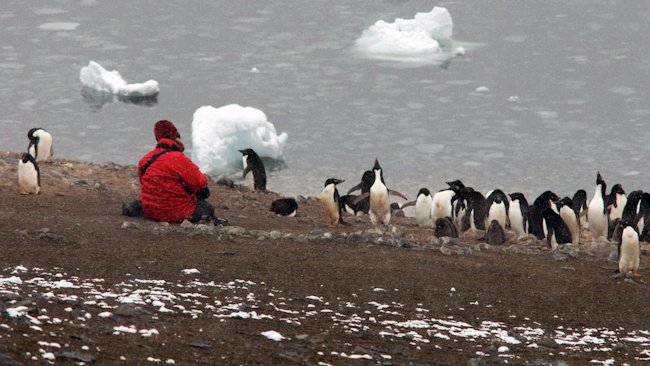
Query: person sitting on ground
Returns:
{"type": "Point", "coordinates": [173, 187]}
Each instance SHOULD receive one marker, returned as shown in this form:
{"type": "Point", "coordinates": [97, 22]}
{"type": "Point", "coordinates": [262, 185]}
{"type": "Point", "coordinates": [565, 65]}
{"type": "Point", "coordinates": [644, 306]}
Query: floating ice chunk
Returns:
{"type": "Point", "coordinates": [97, 78]}
{"type": "Point", "coordinates": [218, 134]}
{"type": "Point", "coordinates": [273, 335]}
{"type": "Point", "coordinates": [414, 39]}
{"type": "Point", "coordinates": [59, 26]}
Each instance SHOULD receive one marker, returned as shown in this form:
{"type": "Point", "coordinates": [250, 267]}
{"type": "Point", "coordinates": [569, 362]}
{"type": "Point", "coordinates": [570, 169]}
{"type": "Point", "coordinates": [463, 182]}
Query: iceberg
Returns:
{"type": "Point", "coordinates": [218, 134]}
{"type": "Point", "coordinates": [100, 80]}
{"type": "Point", "coordinates": [424, 39]}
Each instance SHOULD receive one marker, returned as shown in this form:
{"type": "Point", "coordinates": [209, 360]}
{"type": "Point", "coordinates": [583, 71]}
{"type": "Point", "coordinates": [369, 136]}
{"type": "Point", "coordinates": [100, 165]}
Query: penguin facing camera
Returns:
{"type": "Point", "coordinates": [444, 226]}
{"type": "Point", "coordinates": [518, 214]}
{"type": "Point", "coordinates": [254, 173]}
{"type": "Point", "coordinates": [285, 207]}
{"type": "Point", "coordinates": [380, 211]}
{"type": "Point", "coordinates": [40, 144]}
{"type": "Point", "coordinates": [495, 234]}
{"type": "Point", "coordinates": [597, 212]}
{"type": "Point", "coordinates": [29, 175]}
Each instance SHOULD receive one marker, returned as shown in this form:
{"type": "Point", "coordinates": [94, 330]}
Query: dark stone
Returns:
{"type": "Point", "coordinates": [75, 356]}
{"type": "Point", "coordinates": [227, 182]}
{"type": "Point", "coordinates": [55, 238]}
{"type": "Point", "coordinates": [5, 360]}
{"type": "Point", "coordinates": [199, 345]}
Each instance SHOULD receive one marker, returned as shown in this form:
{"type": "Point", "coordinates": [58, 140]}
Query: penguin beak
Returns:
{"type": "Point", "coordinates": [376, 165]}
{"type": "Point", "coordinates": [339, 181]}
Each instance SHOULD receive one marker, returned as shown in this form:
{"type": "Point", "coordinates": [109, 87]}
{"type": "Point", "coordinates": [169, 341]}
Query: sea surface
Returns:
{"type": "Point", "coordinates": [551, 92]}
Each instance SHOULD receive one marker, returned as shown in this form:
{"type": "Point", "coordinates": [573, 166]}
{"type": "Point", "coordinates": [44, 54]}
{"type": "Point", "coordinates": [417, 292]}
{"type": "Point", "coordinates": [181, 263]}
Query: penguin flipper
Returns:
{"type": "Point", "coordinates": [409, 203]}
{"type": "Point", "coordinates": [395, 193]}
{"type": "Point", "coordinates": [355, 188]}
{"type": "Point", "coordinates": [246, 171]}
{"type": "Point", "coordinates": [361, 197]}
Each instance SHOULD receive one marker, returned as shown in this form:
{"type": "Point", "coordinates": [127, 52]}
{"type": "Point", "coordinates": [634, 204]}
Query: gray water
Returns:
{"type": "Point", "coordinates": [556, 91]}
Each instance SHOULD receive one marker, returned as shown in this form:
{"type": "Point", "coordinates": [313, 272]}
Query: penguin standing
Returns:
{"type": "Point", "coordinates": [380, 211]}
{"type": "Point", "coordinates": [597, 212]}
{"type": "Point", "coordinates": [423, 204]}
{"type": "Point", "coordinates": [615, 205]}
{"type": "Point", "coordinates": [29, 176]}
{"type": "Point", "coordinates": [359, 207]}
{"type": "Point", "coordinates": [555, 230]}
{"type": "Point", "coordinates": [285, 207]}
{"type": "Point", "coordinates": [441, 205]}
{"type": "Point", "coordinates": [475, 210]}
{"type": "Point", "coordinates": [496, 208]}
{"type": "Point", "coordinates": [629, 250]}
{"type": "Point", "coordinates": [536, 213]}
{"type": "Point", "coordinates": [568, 215]}
{"type": "Point", "coordinates": [518, 214]}
{"type": "Point", "coordinates": [254, 172]}
{"type": "Point", "coordinates": [40, 144]}
{"type": "Point", "coordinates": [632, 210]}
{"type": "Point", "coordinates": [580, 205]}
{"type": "Point", "coordinates": [458, 206]}
{"type": "Point", "coordinates": [331, 202]}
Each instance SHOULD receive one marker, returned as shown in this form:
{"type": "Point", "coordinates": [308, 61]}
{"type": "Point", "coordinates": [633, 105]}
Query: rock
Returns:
{"type": "Point", "coordinates": [547, 342]}
{"type": "Point", "coordinates": [5, 360]}
{"type": "Point", "coordinates": [52, 237]}
{"type": "Point", "coordinates": [101, 187]}
{"type": "Point", "coordinates": [186, 224]}
{"type": "Point", "coordinates": [75, 356]}
{"type": "Point", "coordinates": [476, 362]}
{"type": "Point", "coordinates": [129, 225]}
{"type": "Point", "coordinates": [81, 182]}
{"type": "Point", "coordinates": [233, 230]}
{"type": "Point", "coordinates": [445, 240]}
{"type": "Point", "coordinates": [274, 234]}
{"type": "Point", "coordinates": [202, 229]}
{"type": "Point", "coordinates": [130, 310]}
{"type": "Point", "coordinates": [199, 345]}
{"type": "Point", "coordinates": [301, 337]}
{"type": "Point", "coordinates": [446, 251]}
{"type": "Point", "coordinates": [301, 199]}
{"type": "Point", "coordinates": [21, 233]}
{"type": "Point", "coordinates": [248, 197]}
{"type": "Point", "coordinates": [226, 182]}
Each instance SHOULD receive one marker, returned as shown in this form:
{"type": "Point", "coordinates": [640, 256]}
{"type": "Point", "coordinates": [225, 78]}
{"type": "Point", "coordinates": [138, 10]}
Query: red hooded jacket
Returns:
{"type": "Point", "coordinates": [170, 183]}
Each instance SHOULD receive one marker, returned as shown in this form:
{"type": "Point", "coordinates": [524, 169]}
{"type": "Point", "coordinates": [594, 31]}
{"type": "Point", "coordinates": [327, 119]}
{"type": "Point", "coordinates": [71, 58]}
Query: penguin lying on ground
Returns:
{"type": "Point", "coordinates": [29, 176]}
{"type": "Point", "coordinates": [40, 144]}
{"type": "Point", "coordinates": [285, 207]}
{"type": "Point", "coordinates": [331, 202]}
{"type": "Point", "coordinates": [254, 172]}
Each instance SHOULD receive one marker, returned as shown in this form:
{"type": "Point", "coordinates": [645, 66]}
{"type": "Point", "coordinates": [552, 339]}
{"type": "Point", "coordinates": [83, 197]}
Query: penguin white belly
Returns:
{"type": "Point", "coordinates": [249, 178]}
{"type": "Point", "coordinates": [569, 217]}
{"type": "Point", "coordinates": [517, 220]}
{"type": "Point", "coordinates": [617, 212]}
{"type": "Point", "coordinates": [44, 146]}
{"type": "Point", "coordinates": [597, 218]}
{"type": "Point", "coordinates": [28, 178]}
{"type": "Point", "coordinates": [329, 205]}
{"type": "Point", "coordinates": [423, 211]}
{"type": "Point", "coordinates": [497, 212]}
{"type": "Point", "coordinates": [379, 205]}
{"type": "Point", "coordinates": [630, 251]}
{"type": "Point", "coordinates": [441, 205]}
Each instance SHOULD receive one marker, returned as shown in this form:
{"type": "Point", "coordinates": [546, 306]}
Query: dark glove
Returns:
{"type": "Point", "coordinates": [203, 193]}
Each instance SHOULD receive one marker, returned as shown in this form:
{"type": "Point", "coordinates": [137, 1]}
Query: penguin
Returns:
{"type": "Point", "coordinates": [444, 226]}
{"type": "Point", "coordinates": [473, 218]}
{"type": "Point", "coordinates": [580, 205]}
{"type": "Point", "coordinates": [397, 209]}
{"type": "Point", "coordinates": [536, 211]}
{"type": "Point", "coordinates": [643, 217]}
{"type": "Point", "coordinates": [615, 205]}
{"type": "Point", "coordinates": [458, 206]}
{"type": "Point", "coordinates": [555, 230]}
{"type": "Point", "coordinates": [518, 214]}
{"type": "Point", "coordinates": [423, 204]}
{"type": "Point", "coordinates": [597, 212]}
{"type": "Point", "coordinates": [441, 204]}
{"type": "Point", "coordinates": [29, 176]}
{"type": "Point", "coordinates": [629, 250]}
{"type": "Point", "coordinates": [254, 172]}
{"type": "Point", "coordinates": [331, 202]}
{"type": "Point", "coordinates": [496, 208]}
{"type": "Point", "coordinates": [568, 215]}
{"type": "Point", "coordinates": [40, 144]}
{"type": "Point", "coordinates": [352, 207]}
{"type": "Point", "coordinates": [380, 211]}
{"type": "Point", "coordinates": [285, 207]}
{"type": "Point", "coordinates": [367, 179]}
{"type": "Point", "coordinates": [495, 235]}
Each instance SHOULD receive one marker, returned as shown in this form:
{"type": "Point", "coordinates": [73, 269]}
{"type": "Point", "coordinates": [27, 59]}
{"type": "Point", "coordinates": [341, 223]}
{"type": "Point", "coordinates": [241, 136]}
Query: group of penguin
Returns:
{"type": "Point", "coordinates": [39, 150]}
{"type": "Point", "coordinates": [459, 208]}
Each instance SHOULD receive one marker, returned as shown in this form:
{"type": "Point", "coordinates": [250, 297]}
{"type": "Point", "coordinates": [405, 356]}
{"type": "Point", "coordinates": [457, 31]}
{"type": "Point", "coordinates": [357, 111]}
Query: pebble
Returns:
{"type": "Point", "coordinates": [55, 238]}
{"type": "Point", "coordinates": [129, 225]}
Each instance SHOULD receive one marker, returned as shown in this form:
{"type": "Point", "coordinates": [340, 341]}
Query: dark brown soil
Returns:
{"type": "Point", "coordinates": [65, 259]}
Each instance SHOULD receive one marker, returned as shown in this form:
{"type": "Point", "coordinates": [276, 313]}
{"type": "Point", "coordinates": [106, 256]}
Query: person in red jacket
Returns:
{"type": "Point", "coordinates": [173, 187]}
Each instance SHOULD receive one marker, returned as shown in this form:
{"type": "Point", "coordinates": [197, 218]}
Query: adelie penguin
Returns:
{"type": "Point", "coordinates": [555, 229]}
{"type": "Point", "coordinates": [40, 144]}
{"type": "Point", "coordinates": [359, 207]}
{"type": "Point", "coordinates": [580, 205]}
{"type": "Point", "coordinates": [444, 226]}
{"type": "Point", "coordinates": [441, 205]}
{"type": "Point", "coordinates": [495, 235]}
{"type": "Point", "coordinates": [29, 176]}
{"type": "Point", "coordinates": [474, 217]}
{"type": "Point", "coordinates": [616, 201]}
{"type": "Point", "coordinates": [423, 204]}
{"type": "Point", "coordinates": [331, 202]}
{"type": "Point", "coordinates": [496, 208]}
{"type": "Point", "coordinates": [629, 250]}
{"type": "Point", "coordinates": [597, 212]}
{"type": "Point", "coordinates": [518, 214]}
{"type": "Point", "coordinates": [536, 213]}
{"type": "Point", "coordinates": [570, 218]}
{"type": "Point", "coordinates": [254, 172]}
{"type": "Point", "coordinates": [285, 207]}
{"type": "Point", "coordinates": [380, 211]}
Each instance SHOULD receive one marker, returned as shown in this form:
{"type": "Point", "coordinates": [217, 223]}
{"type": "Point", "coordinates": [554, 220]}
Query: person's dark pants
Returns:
{"type": "Point", "coordinates": [204, 211]}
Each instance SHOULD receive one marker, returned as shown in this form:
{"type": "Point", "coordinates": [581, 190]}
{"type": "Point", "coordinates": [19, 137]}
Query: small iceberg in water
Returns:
{"type": "Point", "coordinates": [423, 40]}
{"type": "Point", "coordinates": [101, 86]}
{"type": "Point", "coordinates": [219, 133]}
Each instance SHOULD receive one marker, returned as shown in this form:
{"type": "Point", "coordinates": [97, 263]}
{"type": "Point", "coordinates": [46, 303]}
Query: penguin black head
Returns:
{"type": "Point", "coordinates": [367, 179]}
{"type": "Point", "coordinates": [566, 201]}
{"type": "Point", "coordinates": [30, 133]}
{"type": "Point", "coordinates": [27, 157]}
{"type": "Point", "coordinates": [617, 189]}
{"type": "Point", "coordinates": [376, 166]}
{"type": "Point", "coordinates": [599, 179]}
{"type": "Point", "coordinates": [334, 181]}
{"type": "Point", "coordinates": [424, 191]}
{"type": "Point", "coordinates": [547, 196]}
{"type": "Point", "coordinates": [517, 196]}
{"type": "Point", "coordinates": [456, 185]}
{"type": "Point", "coordinates": [249, 152]}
